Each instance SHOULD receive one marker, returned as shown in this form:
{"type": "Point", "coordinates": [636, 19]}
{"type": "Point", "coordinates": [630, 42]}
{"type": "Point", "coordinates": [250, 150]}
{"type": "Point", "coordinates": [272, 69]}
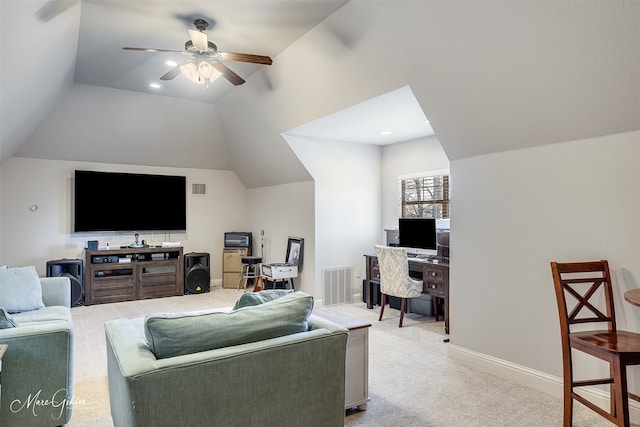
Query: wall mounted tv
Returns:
{"type": "Point", "coordinates": [115, 201]}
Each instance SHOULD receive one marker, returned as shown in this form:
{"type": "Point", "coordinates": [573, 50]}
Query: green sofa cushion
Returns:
{"type": "Point", "coordinates": [20, 289]}
{"type": "Point", "coordinates": [6, 321]}
{"type": "Point", "coordinates": [174, 334]}
{"type": "Point", "coordinates": [257, 298]}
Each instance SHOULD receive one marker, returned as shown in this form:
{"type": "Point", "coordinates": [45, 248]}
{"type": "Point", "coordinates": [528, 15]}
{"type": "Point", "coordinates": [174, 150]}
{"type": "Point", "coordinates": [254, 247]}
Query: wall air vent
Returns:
{"type": "Point", "coordinates": [337, 285]}
{"type": "Point", "coordinates": [198, 189]}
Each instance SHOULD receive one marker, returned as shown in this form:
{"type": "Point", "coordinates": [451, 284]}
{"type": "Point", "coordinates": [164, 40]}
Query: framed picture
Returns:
{"type": "Point", "coordinates": [295, 251]}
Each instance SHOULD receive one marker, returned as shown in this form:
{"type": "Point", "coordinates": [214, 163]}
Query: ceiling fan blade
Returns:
{"type": "Point", "coordinates": [171, 74]}
{"type": "Point", "coordinates": [228, 73]}
{"type": "Point", "coordinates": [150, 49]}
{"type": "Point", "coordinates": [199, 39]}
{"type": "Point", "coordinates": [245, 57]}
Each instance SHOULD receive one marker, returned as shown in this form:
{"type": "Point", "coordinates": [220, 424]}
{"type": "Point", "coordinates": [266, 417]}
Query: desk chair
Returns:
{"type": "Point", "coordinates": [589, 286]}
{"type": "Point", "coordinates": [394, 277]}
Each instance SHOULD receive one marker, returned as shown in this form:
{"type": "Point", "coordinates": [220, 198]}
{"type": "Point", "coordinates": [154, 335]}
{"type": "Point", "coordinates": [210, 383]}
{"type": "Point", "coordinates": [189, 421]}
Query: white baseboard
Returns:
{"type": "Point", "coordinates": [537, 380]}
{"type": "Point", "coordinates": [358, 297]}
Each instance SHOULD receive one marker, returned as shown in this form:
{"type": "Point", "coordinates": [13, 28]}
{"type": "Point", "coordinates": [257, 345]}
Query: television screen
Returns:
{"type": "Point", "coordinates": [114, 201]}
{"type": "Point", "coordinates": [417, 233]}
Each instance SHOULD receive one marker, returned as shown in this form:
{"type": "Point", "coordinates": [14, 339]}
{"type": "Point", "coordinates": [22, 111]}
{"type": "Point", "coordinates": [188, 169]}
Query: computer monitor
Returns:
{"type": "Point", "coordinates": [418, 235]}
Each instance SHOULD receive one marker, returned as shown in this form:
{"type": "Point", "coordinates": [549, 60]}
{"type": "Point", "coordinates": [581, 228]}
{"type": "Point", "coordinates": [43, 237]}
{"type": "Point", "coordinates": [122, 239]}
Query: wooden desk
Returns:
{"type": "Point", "coordinates": [434, 276]}
{"type": "Point", "coordinates": [632, 296]}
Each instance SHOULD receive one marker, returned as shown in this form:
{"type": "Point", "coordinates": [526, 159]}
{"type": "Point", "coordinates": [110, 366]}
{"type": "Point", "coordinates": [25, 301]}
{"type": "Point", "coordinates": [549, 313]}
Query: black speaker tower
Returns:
{"type": "Point", "coordinates": [73, 269]}
{"type": "Point", "coordinates": [196, 273]}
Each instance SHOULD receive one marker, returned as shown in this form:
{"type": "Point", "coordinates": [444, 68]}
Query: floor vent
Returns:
{"type": "Point", "coordinates": [337, 285]}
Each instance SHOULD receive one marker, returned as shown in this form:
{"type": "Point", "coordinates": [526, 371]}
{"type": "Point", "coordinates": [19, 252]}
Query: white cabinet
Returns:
{"type": "Point", "coordinates": [357, 363]}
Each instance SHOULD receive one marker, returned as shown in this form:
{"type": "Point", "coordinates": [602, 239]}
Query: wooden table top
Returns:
{"type": "Point", "coordinates": [632, 296]}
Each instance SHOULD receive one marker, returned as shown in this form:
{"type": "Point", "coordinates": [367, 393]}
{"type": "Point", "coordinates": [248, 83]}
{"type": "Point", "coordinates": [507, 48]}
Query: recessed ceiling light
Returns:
{"type": "Point", "coordinates": [155, 85]}
{"type": "Point", "coordinates": [172, 63]}
{"type": "Point", "coordinates": [385, 132]}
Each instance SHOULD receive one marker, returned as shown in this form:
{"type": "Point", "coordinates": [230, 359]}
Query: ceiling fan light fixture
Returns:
{"type": "Point", "coordinates": [205, 63]}
{"type": "Point", "coordinates": [189, 70]}
{"type": "Point", "coordinates": [205, 69]}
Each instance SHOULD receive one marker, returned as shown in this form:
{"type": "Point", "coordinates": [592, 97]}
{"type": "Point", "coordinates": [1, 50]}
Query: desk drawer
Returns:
{"type": "Point", "coordinates": [433, 288]}
{"type": "Point", "coordinates": [435, 274]}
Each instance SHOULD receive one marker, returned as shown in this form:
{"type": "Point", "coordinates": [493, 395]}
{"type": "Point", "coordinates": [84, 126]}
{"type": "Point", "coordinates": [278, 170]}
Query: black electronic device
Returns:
{"type": "Point", "coordinates": [105, 259]}
{"type": "Point", "coordinates": [196, 273]}
{"type": "Point", "coordinates": [73, 269]}
{"type": "Point", "coordinates": [117, 272]}
{"type": "Point", "coordinates": [417, 233]}
{"type": "Point", "coordinates": [238, 239]}
{"type": "Point", "coordinates": [115, 201]}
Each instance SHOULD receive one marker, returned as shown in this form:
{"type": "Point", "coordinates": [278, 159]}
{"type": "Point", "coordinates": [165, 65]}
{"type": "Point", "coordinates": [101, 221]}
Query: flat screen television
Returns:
{"type": "Point", "coordinates": [417, 233]}
{"type": "Point", "coordinates": [116, 201]}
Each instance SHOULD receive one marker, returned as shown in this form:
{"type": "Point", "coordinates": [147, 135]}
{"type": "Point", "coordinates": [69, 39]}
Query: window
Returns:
{"type": "Point", "coordinates": [425, 197]}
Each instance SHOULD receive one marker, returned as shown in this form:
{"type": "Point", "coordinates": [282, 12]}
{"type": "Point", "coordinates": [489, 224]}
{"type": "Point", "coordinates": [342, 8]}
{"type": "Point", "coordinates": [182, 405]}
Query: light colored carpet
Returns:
{"type": "Point", "coordinates": [411, 380]}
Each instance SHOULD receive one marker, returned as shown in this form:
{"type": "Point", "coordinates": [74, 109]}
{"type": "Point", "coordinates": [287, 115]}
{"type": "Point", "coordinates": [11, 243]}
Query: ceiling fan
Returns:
{"type": "Point", "coordinates": [204, 64]}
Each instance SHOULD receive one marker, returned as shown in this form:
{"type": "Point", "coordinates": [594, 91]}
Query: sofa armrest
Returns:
{"type": "Point", "coordinates": [38, 365]}
{"type": "Point", "coordinates": [56, 291]}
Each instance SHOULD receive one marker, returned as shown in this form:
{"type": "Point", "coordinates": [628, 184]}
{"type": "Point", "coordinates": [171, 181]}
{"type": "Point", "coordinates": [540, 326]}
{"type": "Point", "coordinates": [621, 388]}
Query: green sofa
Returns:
{"type": "Point", "coordinates": [37, 368]}
{"type": "Point", "coordinates": [272, 364]}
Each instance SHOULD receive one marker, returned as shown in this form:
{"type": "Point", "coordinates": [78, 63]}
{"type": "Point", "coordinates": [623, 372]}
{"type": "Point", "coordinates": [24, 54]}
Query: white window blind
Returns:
{"type": "Point", "coordinates": [425, 197]}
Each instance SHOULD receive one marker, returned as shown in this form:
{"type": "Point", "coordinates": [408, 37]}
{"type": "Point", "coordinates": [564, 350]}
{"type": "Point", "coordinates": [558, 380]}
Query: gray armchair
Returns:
{"type": "Point", "coordinates": [37, 369]}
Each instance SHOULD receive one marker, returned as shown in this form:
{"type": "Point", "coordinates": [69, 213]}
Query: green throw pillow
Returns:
{"type": "Point", "coordinates": [257, 298]}
{"type": "Point", "coordinates": [20, 289]}
{"type": "Point", "coordinates": [6, 321]}
{"type": "Point", "coordinates": [175, 334]}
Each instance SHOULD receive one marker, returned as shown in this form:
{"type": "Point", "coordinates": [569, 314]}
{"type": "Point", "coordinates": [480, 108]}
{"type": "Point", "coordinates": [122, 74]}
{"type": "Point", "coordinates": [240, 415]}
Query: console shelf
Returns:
{"type": "Point", "coordinates": [114, 275]}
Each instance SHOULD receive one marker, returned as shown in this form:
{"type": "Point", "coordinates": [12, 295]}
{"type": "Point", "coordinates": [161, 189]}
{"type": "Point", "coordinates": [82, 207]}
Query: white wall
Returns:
{"type": "Point", "coordinates": [284, 211]}
{"type": "Point", "coordinates": [513, 213]}
{"type": "Point", "coordinates": [406, 158]}
{"type": "Point", "coordinates": [347, 202]}
{"type": "Point", "coordinates": [98, 124]}
{"type": "Point", "coordinates": [33, 238]}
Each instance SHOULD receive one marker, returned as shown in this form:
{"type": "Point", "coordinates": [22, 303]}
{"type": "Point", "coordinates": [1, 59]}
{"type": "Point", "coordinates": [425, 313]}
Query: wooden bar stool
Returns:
{"type": "Point", "coordinates": [250, 269]}
{"type": "Point", "coordinates": [588, 288]}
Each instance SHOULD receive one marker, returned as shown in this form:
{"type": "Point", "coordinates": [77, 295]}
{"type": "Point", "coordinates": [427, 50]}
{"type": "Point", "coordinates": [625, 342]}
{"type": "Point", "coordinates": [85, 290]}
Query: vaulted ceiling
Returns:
{"type": "Point", "coordinates": [489, 75]}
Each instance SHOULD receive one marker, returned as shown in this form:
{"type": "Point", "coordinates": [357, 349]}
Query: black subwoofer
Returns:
{"type": "Point", "coordinates": [196, 273]}
{"type": "Point", "coordinates": [73, 269]}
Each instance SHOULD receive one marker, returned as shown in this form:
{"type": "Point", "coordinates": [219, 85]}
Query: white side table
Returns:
{"type": "Point", "coordinates": [357, 363]}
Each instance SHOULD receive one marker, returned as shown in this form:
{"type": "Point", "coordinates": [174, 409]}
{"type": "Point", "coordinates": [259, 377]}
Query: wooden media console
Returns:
{"type": "Point", "coordinates": [114, 275]}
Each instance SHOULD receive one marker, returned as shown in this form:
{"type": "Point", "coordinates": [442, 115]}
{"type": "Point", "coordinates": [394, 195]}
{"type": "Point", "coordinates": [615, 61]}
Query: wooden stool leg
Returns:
{"type": "Point", "coordinates": [621, 400]}
{"type": "Point", "coordinates": [382, 304]}
{"type": "Point", "coordinates": [243, 276]}
{"type": "Point", "coordinates": [568, 399]}
{"type": "Point", "coordinates": [259, 286]}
